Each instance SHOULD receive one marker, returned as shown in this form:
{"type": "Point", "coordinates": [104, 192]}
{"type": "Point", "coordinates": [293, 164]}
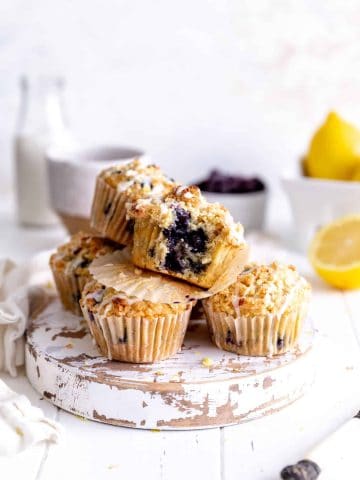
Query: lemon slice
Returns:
{"type": "Point", "coordinates": [335, 252]}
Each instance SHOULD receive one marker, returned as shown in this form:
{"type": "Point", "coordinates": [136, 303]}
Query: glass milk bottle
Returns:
{"type": "Point", "coordinates": [41, 125]}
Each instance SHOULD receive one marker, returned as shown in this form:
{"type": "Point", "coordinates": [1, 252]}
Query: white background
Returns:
{"type": "Point", "coordinates": [197, 83]}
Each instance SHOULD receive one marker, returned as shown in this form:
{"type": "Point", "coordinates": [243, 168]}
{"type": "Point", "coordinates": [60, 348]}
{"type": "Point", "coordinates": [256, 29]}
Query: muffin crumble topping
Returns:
{"type": "Point", "coordinates": [262, 289]}
{"type": "Point", "coordinates": [137, 179]}
{"type": "Point", "coordinates": [76, 255]}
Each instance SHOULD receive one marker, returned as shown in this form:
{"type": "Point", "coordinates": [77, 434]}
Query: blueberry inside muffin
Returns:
{"type": "Point", "coordinates": [185, 244]}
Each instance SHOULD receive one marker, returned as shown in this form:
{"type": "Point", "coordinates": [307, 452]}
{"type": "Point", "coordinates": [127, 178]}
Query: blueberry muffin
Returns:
{"type": "Point", "coordinates": [116, 188]}
{"type": "Point", "coordinates": [69, 265]}
{"type": "Point", "coordinates": [130, 330]}
{"type": "Point", "coordinates": [185, 236]}
{"type": "Point", "coordinates": [261, 314]}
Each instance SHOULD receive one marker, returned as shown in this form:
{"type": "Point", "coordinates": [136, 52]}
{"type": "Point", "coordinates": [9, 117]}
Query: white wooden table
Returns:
{"type": "Point", "coordinates": [255, 450]}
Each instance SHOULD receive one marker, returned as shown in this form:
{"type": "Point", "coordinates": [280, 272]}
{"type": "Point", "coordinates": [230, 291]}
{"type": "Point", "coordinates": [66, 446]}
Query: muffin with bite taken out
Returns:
{"type": "Point", "coordinates": [185, 236]}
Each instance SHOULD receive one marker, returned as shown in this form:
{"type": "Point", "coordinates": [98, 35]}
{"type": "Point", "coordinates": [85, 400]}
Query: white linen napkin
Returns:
{"type": "Point", "coordinates": [21, 424]}
{"type": "Point", "coordinates": [19, 294]}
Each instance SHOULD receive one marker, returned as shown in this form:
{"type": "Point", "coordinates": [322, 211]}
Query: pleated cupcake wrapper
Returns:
{"type": "Point", "coordinates": [227, 260]}
{"type": "Point", "coordinates": [146, 238]}
{"type": "Point", "coordinates": [116, 270]}
{"type": "Point", "coordinates": [69, 287]}
{"type": "Point", "coordinates": [262, 335]}
{"type": "Point", "coordinates": [108, 214]}
{"type": "Point", "coordinates": [138, 339]}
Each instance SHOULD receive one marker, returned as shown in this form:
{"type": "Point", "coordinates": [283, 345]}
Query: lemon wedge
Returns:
{"type": "Point", "coordinates": [334, 151]}
{"type": "Point", "coordinates": [335, 252]}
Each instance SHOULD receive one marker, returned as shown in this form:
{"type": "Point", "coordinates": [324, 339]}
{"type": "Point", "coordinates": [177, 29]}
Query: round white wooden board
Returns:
{"type": "Point", "coordinates": [64, 365]}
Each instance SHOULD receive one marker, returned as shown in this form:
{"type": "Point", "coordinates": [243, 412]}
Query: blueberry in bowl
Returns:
{"type": "Point", "coordinates": [245, 197]}
{"type": "Point", "coordinates": [219, 182]}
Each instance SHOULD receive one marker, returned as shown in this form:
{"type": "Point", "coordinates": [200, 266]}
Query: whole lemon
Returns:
{"type": "Point", "coordinates": [356, 174]}
{"type": "Point", "coordinates": [334, 151]}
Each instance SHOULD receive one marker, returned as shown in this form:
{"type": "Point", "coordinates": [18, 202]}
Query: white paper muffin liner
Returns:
{"type": "Point", "coordinates": [138, 339]}
{"type": "Point", "coordinates": [261, 335]}
{"type": "Point", "coordinates": [108, 213]}
{"type": "Point", "coordinates": [69, 287]}
{"type": "Point", "coordinates": [117, 271]}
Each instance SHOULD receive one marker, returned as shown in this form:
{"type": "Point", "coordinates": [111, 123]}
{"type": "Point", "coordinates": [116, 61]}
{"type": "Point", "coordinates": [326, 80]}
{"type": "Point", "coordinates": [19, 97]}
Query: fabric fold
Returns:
{"type": "Point", "coordinates": [21, 424]}
{"type": "Point", "coordinates": [23, 290]}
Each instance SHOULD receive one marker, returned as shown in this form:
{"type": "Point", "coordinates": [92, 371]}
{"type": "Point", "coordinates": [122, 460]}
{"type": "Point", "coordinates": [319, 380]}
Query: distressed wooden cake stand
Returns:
{"type": "Point", "coordinates": [64, 365]}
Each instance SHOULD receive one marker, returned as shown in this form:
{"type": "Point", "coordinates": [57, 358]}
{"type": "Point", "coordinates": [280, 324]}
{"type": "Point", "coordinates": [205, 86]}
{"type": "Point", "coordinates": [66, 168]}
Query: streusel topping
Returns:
{"type": "Point", "coordinates": [137, 179]}
{"type": "Point", "coordinates": [106, 301]}
{"type": "Point", "coordinates": [76, 255]}
{"type": "Point", "coordinates": [262, 290]}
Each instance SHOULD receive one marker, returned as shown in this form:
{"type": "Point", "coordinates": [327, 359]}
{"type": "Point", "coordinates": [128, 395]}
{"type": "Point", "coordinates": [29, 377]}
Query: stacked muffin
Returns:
{"type": "Point", "coordinates": [70, 266]}
{"type": "Point", "coordinates": [173, 230]}
{"type": "Point", "coordinates": [118, 187]}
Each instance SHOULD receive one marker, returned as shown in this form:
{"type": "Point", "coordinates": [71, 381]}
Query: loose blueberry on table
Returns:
{"type": "Point", "coordinates": [303, 470]}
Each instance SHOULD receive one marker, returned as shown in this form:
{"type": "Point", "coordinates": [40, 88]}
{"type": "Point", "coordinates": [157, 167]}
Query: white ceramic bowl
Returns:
{"type": "Point", "coordinates": [72, 175]}
{"type": "Point", "coordinates": [247, 208]}
{"type": "Point", "coordinates": [315, 202]}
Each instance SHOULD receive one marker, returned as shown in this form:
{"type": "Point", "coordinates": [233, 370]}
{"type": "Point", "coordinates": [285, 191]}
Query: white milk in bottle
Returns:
{"type": "Point", "coordinates": [41, 125]}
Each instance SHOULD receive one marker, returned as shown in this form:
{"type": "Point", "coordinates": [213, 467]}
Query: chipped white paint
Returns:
{"type": "Point", "coordinates": [63, 364]}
